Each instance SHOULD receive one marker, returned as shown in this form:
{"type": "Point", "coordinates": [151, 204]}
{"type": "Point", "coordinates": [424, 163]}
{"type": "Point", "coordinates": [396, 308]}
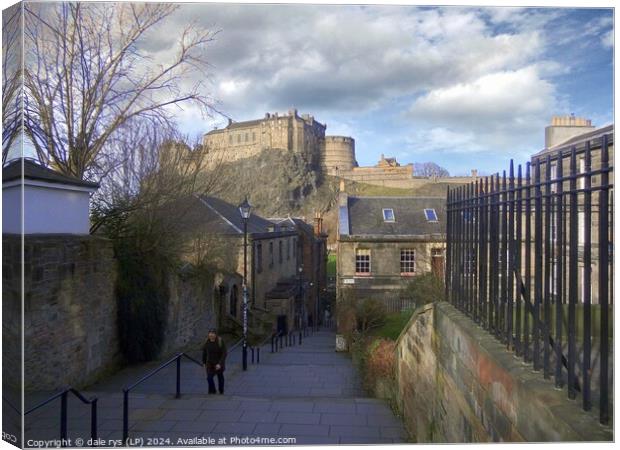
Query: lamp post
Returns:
{"type": "Point", "coordinates": [301, 297]}
{"type": "Point", "coordinates": [245, 209]}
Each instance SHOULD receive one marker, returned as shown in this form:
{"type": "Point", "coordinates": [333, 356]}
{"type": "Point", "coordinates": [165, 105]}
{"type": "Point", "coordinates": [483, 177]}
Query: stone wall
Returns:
{"type": "Point", "coordinates": [70, 334]}
{"type": "Point", "coordinates": [191, 312]}
{"type": "Point", "coordinates": [459, 384]}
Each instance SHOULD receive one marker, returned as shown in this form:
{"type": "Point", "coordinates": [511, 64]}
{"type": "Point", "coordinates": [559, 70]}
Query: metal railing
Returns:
{"type": "Point", "coordinates": [127, 390]}
{"type": "Point", "coordinates": [529, 258]}
{"type": "Point", "coordinates": [64, 399]}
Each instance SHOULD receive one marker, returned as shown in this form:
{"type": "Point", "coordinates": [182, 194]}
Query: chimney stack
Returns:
{"type": "Point", "coordinates": [318, 224]}
{"type": "Point", "coordinates": [563, 128]}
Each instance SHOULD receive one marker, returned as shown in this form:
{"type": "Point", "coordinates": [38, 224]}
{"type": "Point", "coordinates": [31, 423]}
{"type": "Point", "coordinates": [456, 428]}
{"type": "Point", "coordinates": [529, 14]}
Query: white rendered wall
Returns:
{"type": "Point", "coordinates": [11, 210]}
{"type": "Point", "coordinates": [47, 210]}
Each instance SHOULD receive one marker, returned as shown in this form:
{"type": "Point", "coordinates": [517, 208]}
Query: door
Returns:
{"type": "Point", "coordinates": [437, 262]}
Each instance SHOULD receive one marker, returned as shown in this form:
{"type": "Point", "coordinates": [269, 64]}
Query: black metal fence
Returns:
{"type": "Point", "coordinates": [530, 259]}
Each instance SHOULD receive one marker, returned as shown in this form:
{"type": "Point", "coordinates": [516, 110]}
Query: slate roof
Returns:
{"type": "Point", "coordinates": [365, 216]}
{"type": "Point", "coordinates": [224, 218]}
{"type": "Point", "coordinates": [294, 222]}
{"type": "Point", "coordinates": [35, 171]}
{"type": "Point", "coordinates": [579, 140]}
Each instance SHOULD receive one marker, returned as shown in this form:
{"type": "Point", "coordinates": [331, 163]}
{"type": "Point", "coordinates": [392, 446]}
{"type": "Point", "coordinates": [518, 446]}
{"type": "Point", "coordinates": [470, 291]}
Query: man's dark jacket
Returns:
{"type": "Point", "coordinates": [214, 353]}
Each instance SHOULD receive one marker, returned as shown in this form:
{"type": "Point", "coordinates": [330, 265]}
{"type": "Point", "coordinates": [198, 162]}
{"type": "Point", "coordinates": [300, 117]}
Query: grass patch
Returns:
{"type": "Point", "coordinates": [331, 265]}
{"type": "Point", "coordinates": [394, 325]}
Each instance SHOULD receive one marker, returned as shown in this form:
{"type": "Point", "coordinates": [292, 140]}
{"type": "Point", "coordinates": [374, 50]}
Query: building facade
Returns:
{"type": "Point", "coordinates": [311, 265]}
{"type": "Point", "coordinates": [385, 241]}
{"type": "Point", "coordinates": [554, 162]}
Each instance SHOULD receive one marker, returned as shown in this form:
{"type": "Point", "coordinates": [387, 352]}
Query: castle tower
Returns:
{"type": "Point", "coordinates": [339, 154]}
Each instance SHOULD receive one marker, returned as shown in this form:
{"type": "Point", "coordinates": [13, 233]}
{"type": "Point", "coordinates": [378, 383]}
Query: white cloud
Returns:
{"type": "Point", "coordinates": [502, 99]}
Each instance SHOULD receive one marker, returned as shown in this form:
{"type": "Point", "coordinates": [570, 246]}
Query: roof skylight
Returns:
{"type": "Point", "coordinates": [431, 215]}
{"type": "Point", "coordinates": [388, 215]}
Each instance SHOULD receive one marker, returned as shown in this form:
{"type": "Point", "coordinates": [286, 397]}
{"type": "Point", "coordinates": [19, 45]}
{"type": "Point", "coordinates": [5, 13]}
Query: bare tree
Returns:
{"type": "Point", "coordinates": [430, 169]}
{"type": "Point", "coordinates": [12, 53]}
{"type": "Point", "coordinates": [86, 77]}
{"type": "Point", "coordinates": [149, 170]}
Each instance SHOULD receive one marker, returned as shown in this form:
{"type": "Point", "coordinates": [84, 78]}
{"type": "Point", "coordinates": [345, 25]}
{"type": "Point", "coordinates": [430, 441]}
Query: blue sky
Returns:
{"type": "Point", "coordinates": [463, 87]}
{"type": "Point", "coordinates": [467, 88]}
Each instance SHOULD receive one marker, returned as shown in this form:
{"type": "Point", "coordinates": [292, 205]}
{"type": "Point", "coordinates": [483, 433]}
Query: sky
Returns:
{"type": "Point", "coordinates": [467, 88]}
{"type": "Point", "coordinates": [464, 87]}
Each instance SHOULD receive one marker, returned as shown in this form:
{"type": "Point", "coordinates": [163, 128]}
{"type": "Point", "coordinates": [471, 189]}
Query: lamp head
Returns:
{"type": "Point", "coordinates": [245, 208]}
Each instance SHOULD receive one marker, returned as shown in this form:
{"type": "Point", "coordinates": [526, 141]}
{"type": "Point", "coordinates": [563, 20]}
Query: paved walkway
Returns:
{"type": "Point", "coordinates": [308, 392]}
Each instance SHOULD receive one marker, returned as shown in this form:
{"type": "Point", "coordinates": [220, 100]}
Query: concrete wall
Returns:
{"type": "Point", "coordinates": [458, 384]}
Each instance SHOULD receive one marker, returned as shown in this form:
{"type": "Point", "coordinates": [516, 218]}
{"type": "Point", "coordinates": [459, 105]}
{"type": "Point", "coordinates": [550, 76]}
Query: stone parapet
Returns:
{"type": "Point", "coordinates": [459, 384]}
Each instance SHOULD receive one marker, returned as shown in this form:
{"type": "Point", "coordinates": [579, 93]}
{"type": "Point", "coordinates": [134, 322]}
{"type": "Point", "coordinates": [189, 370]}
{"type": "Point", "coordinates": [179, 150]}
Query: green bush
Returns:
{"type": "Point", "coordinates": [370, 314]}
{"type": "Point", "coordinates": [425, 288]}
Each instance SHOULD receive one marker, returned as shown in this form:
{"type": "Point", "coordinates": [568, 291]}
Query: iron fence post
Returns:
{"type": "Point", "coordinates": [178, 393]}
{"type": "Point", "coordinates": [125, 416]}
{"type": "Point", "coordinates": [603, 280]}
{"type": "Point", "coordinates": [63, 418]}
{"type": "Point", "coordinates": [93, 422]}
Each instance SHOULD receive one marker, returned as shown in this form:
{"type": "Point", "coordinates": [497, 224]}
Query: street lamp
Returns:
{"type": "Point", "coordinates": [300, 304]}
{"type": "Point", "coordinates": [245, 210]}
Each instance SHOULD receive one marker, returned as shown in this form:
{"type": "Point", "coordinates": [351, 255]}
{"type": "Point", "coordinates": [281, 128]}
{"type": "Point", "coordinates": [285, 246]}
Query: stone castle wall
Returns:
{"type": "Point", "coordinates": [301, 134]}
{"type": "Point", "coordinates": [339, 155]}
{"type": "Point", "coordinates": [457, 383]}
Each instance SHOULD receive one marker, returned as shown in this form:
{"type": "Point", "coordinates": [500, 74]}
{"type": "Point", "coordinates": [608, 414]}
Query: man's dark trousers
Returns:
{"type": "Point", "coordinates": [220, 382]}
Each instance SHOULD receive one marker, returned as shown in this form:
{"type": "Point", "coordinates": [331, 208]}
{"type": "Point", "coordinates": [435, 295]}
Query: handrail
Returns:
{"type": "Point", "coordinates": [63, 395]}
{"type": "Point", "coordinates": [128, 389]}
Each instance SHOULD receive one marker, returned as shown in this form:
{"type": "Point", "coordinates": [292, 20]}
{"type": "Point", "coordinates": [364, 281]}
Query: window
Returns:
{"type": "Point", "coordinates": [431, 215]}
{"type": "Point", "coordinates": [294, 247]}
{"type": "Point", "coordinates": [271, 254]}
{"type": "Point", "coordinates": [407, 261]}
{"type": "Point", "coordinates": [388, 215]}
{"type": "Point", "coordinates": [232, 307]}
{"type": "Point", "coordinates": [553, 175]}
{"type": "Point", "coordinates": [238, 139]}
{"type": "Point", "coordinates": [246, 137]}
{"type": "Point", "coordinates": [259, 257]}
{"type": "Point", "coordinates": [253, 136]}
{"type": "Point", "coordinates": [288, 249]}
{"type": "Point", "coordinates": [230, 139]}
{"type": "Point", "coordinates": [280, 258]}
{"type": "Point", "coordinates": [582, 170]}
{"type": "Point", "coordinates": [362, 261]}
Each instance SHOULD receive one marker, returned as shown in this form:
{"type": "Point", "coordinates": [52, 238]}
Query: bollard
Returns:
{"type": "Point", "coordinates": [258, 355]}
{"type": "Point", "coordinates": [272, 338]}
{"type": "Point", "coordinates": [252, 349]}
{"type": "Point", "coordinates": [300, 338]}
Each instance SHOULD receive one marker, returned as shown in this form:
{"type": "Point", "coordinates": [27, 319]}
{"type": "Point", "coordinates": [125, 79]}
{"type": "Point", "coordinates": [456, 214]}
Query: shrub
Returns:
{"type": "Point", "coordinates": [425, 288]}
{"type": "Point", "coordinates": [370, 313]}
{"type": "Point", "coordinates": [381, 361]}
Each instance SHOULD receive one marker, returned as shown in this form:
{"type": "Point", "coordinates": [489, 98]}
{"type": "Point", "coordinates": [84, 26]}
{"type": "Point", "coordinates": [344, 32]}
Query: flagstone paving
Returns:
{"type": "Point", "coordinates": [307, 392]}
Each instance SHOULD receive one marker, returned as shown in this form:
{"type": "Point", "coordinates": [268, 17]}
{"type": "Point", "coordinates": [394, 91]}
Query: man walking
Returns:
{"type": "Point", "coordinates": [213, 358]}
